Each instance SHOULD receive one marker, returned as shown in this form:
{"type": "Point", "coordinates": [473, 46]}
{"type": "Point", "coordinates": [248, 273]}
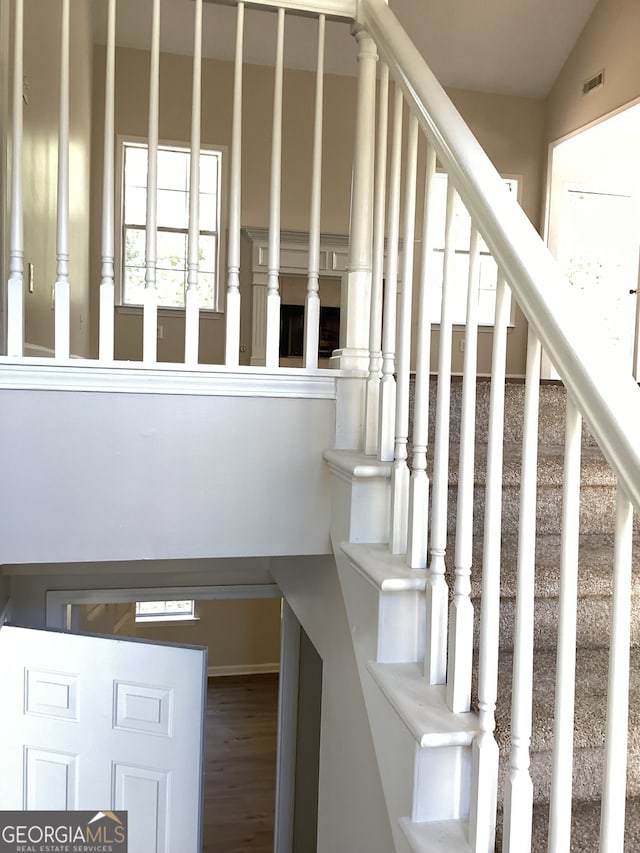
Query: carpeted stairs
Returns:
{"type": "Point", "coordinates": [597, 518]}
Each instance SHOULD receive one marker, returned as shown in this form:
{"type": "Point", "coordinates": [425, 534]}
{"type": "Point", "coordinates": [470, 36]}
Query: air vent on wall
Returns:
{"type": "Point", "coordinates": [593, 82]}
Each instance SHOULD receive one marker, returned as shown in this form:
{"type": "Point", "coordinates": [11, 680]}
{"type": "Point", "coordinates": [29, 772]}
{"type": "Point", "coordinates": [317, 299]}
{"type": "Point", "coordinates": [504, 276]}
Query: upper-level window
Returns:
{"type": "Point", "coordinates": [461, 235]}
{"type": "Point", "coordinates": [173, 224]}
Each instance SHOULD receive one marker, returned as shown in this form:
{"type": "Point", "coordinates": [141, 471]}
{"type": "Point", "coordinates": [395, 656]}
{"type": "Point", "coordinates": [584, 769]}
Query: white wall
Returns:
{"type": "Point", "coordinates": [352, 815]}
{"type": "Point", "coordinates": [102, 476]}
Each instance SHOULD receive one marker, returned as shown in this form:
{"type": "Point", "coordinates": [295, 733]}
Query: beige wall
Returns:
{"type": "Point", "coordinates": [41, 69]}
{"type": "Point", "coordinates": [175, 105]}
{"type": "Point", "coordinates": [510, 128]}
{"type": "Point", "coordinates": [511, 131]}
{"type": "Point", "coordinates": [242, 635]}
{"type": "Point", "coordinates": [610, 41]}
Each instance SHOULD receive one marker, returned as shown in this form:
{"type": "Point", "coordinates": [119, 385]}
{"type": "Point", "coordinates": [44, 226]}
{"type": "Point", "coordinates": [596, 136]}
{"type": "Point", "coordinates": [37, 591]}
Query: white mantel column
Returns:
{"type": "Point", "coordinates": [356, 283]}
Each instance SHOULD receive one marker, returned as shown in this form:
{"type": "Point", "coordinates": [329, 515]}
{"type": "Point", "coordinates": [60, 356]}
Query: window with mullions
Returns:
{"type": "Point", "coordinates": [173, 224]}
{"type": "Point", "coordinates": [165, 611]}
{"type": "Point", "coordinates": [461, 236]}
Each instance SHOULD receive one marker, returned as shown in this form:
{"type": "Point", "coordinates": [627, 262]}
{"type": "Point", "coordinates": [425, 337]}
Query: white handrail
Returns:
{"type": "Point", "coordinates": [606, 394]}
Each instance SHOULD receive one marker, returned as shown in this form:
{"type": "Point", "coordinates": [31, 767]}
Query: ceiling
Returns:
{"type": "Point", "coordinates": [508, 46]}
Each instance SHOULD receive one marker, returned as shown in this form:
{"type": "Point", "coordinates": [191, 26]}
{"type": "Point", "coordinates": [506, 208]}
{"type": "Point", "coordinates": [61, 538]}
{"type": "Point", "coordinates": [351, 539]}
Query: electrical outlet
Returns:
{"type": "Point", "coordinates": [160, 334]}
{"type": "Point", "coordinates": [461, 345]}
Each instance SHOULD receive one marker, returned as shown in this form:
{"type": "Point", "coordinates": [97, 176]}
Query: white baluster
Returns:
{"type": "Point", "coordinates": [435, 662]}
{"type": "Point", "coordinates": [61, 287]}
{"type": "Point", "coordinates": [15, 292]}
{"type": "Point", "coordinates": [615, 767]}
{"type": "Point", "coordinates": [460, 652]}
{"type": "Point", "coordinates": [387, 416]}
{"type": "Point", "coordinates": [419, 485]}
{"type": "Point", "coordinates": [400, 474]}
{"type": "Point", "coordinates": [192, 296]}
{"type": "Point", "coordinates": [518, 806]}
{"type": "Point", "coordinates": [561, 777]}
{"type": "Point", "coordinates": [356, 283]}
{"type": "Point", "coordinates": [150, 316]}
{"type": "Point", "coordinates": [312, 303]}
{"type": "Point", "coordinates": [232, 343]}
{"type": "Point", "coordinates": [484, 753]}
{"type": "Point", "coordinates": [273, 292]}
{"type": "Point", "coordinates": [106, 342]}
{"type": "Point", "coordinates": [377, 275]}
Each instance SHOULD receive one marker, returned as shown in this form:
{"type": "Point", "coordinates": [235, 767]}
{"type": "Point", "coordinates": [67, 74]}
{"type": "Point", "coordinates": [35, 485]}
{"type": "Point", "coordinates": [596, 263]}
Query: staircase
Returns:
{"type": "Point", "coordinates": [415, 734]}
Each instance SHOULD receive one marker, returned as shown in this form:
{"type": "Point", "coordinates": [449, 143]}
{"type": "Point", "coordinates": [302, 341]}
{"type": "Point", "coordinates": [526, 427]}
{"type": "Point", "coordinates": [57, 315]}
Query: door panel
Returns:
{"type": "Point", "coordinates": [97, 723]}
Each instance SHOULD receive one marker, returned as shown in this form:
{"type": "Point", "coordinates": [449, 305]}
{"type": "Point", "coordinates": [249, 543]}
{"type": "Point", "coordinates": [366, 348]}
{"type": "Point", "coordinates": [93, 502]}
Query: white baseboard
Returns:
{"type": "Point", "coordinates": [242, 669]}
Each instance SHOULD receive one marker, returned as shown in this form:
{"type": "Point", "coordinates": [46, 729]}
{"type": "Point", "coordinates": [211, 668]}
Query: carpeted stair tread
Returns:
{"type": "Point", "coordinates": [594, 570]}
{"type": "Point", "coordinates": [592, 666]}
{"type": "Point", "coordinates": [585, 827]}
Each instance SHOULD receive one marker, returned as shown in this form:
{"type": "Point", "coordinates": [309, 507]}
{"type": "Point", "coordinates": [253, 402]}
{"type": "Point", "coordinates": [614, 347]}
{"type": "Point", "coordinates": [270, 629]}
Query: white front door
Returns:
{"type": "Point", "coordinates": [96, 723]}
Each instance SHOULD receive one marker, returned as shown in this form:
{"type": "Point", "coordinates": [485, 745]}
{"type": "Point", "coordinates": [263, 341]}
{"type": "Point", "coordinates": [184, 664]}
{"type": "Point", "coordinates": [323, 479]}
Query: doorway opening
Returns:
{"type": "Point", "coordinates": [248, 701]}
{"type": "Point", "coordinates": [593, 224]}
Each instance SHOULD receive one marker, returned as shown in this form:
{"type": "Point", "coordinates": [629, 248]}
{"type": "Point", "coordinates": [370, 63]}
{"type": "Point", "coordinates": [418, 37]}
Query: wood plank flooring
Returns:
{"type": "Point", "coordinates": [240, 770]}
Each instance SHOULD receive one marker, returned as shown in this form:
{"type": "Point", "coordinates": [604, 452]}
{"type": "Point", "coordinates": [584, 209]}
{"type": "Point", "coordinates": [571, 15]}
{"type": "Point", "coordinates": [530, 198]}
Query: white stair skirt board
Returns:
{"type": "Point", "coordinates": [446, 836]}
{"type": "Point", "coordinates": [399, 590]}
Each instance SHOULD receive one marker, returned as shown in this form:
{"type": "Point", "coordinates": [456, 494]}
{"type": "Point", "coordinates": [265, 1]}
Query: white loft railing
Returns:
{"type": "Point", "coordinates": [599, 391]}
{"type": "Point", "coordinates": [228, 279]}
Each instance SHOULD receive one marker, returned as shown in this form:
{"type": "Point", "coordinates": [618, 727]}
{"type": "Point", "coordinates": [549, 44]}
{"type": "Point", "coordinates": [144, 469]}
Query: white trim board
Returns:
{"type": "Point", "coordinates": [40, 374]}
{"type": "Point", "coordinates": [243, 669]}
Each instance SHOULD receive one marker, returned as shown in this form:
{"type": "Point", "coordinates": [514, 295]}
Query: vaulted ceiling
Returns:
{"type": "Point", "coordinates": [509, 46]}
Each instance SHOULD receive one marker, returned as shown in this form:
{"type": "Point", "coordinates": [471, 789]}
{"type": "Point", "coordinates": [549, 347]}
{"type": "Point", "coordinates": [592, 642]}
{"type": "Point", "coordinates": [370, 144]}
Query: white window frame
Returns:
{"type": "Point", "coordinates": [165, 615]}
{"type": "Point", "coordinates": [220, 285]}
{"type": "Point", "coordinates": [482, 324]}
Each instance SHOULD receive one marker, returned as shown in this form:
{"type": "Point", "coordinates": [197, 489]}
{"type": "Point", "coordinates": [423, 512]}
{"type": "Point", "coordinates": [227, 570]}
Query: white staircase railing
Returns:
{"type": "Point", "coordinates": [599, 390]}
{"type": "Point", "coordinates": [229, 282]}
{"type": "Point", "coordinates": [376, 346]}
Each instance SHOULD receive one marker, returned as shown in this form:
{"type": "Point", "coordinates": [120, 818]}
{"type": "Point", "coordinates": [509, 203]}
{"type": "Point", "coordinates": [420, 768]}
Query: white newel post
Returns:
{"type": "Point", "coordinates": [355, 302]}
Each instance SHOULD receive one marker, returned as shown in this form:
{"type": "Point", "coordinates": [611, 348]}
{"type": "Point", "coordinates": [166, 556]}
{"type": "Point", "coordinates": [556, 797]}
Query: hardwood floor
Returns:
{"type": "Point", "coordinates": [240, 770]}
